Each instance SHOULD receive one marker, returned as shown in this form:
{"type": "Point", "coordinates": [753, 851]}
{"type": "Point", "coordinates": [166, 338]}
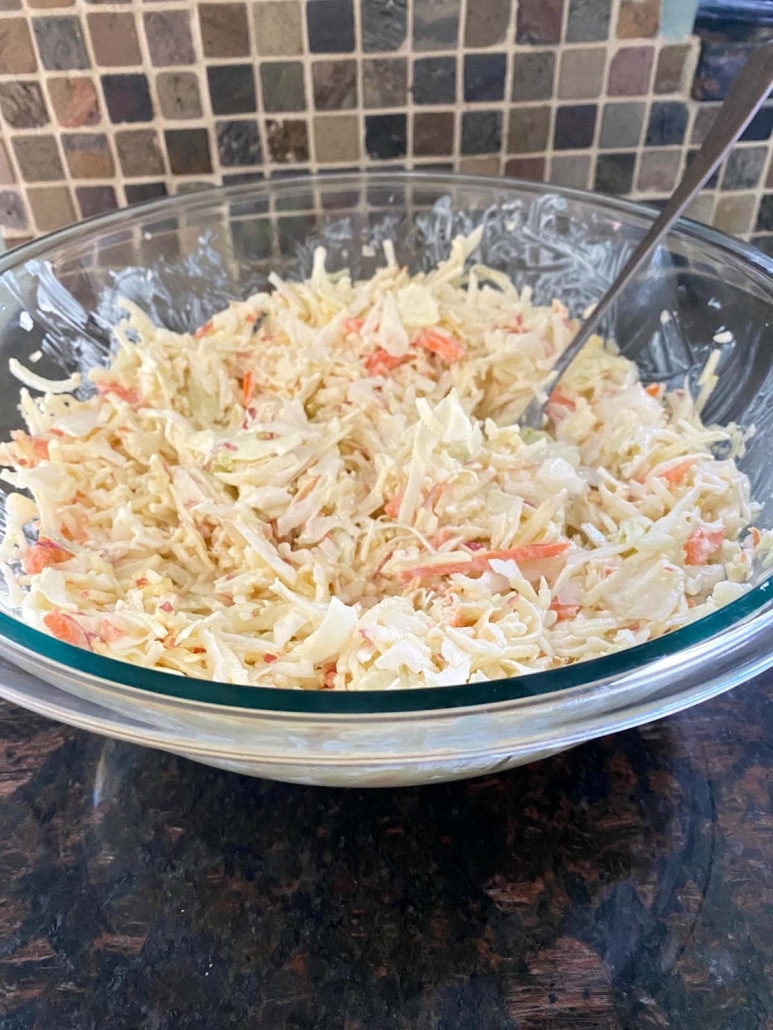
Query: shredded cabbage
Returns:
{"type": "Point", "coordinates": [325, 487]}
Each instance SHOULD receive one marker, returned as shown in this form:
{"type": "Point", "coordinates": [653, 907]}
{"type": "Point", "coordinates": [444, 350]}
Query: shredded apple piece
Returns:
{"type": "Point", "coordinates": [325, 487]}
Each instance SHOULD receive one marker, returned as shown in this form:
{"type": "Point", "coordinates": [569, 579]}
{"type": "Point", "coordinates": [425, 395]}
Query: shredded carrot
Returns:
{"type": "Point", "coordinates": [479, 562]}
{"type": "Point", "coordinates": [105, 386]}
{"type": "Point", "coordinates": [653, 389]}
{"type": "Point", "coordinates": [755, 534]}
{"type": "Point", "coordinates": [203, 330]}
{"type": "Point", "coordinates": [701, 544]}
{"type": "Point", "coordinates": [64, 627]}
{"type": "Point", "coordinates": [269, 658]}
{"type": "Point", "coordinates": [563, 399]}
{"type": "Point", "coordinates": [353, 325]}
{"type": "Point", "coordinates": [441, 344]}
{"type": "Point", "coordinates": [167, 606]}
{"type": "Point", "coordinates": [380, 362]}
{"type": "Point", "coordinates": [392, 507]}
{"type": "Point", "coordinates": [248, 386]}
{"type": "Point", "coordinates": [110, 632]}
{"type": "Point", "coordinates": [564, 611]}
{"type": "Point", "coordinates": [676, 473]}
{"type": "Point", "coordinates": [41, 555]}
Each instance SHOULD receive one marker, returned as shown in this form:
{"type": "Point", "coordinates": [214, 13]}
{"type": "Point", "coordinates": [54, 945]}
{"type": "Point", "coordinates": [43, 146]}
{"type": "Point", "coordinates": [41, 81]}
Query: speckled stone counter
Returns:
{"type": "Point", "coordinates": [627, 883]}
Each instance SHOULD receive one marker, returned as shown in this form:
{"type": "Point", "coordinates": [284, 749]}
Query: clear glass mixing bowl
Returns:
{"type": "Point", "coordinates": [184, 258]}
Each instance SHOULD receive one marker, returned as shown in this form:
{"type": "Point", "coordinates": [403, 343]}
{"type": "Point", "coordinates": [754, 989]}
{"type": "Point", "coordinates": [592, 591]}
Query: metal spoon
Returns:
{"type": "Point", "coordinates": [747, 92]}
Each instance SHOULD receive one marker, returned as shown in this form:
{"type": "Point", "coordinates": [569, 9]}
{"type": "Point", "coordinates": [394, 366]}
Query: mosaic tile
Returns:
{"type": "Point", "coordinates": [38, 158]}
{"type": "Point", "coordinates": [713, 181]}
{"type": "Point", "coordinates": [486, 23]}
{"type": "Point", "coordinates": [14, 5]}
{"type": "Point", "coordinates": [484, 76]}
{"type": "Point", "coordinates": [526, 168]}
{"type": "Point", "coordinates": [575, 126]}
{"type": "Point", "coordinates": [231, 88]}
{"type": "Point", "coordinates": [671, 69]}
{"type": "Point", "coordinates": [178, 94]}
{"type": "Point", "coordinates": [638, 19]}
{"type": "Point", "coordinates": [433, 134]}
{"type": "Point", "coordinates": [533, 75]}
{"type": "Point", "coordinates": [23, 105]}
{"type": "Point", "coordinates": [434, 80]}
{"type": "Point", "coordinates": [95, 200]}
{"type": "Point", "coordinates": [384, 24]}
{"type": "Point", "coordinates": [74, 100]}
{"type": "Point", "coordinates": [337, 137]}
{"type": "Point", "coordinates": [139, 152]}
{"type": "Point", "coordinates": [630, 71]}
{"type": "Point", "coordinates": [282, 86]}
{"type": "Point", "coordinates": [587, 21]}
{"type": "Point", "coordinates": [188, 151]}
{"type": "Point", "coordinates": [744, 168]}
{"type": "Point", "coordinates": [734, 213]}
{"type": "Point", "coordinates": [385, 135]}
{"type": "Point", "coordinates": [667, 123]}
{"type": "Point", "coordinates": [435, 24]}
{"type": "Point", "coordinates": [582, 74]}
{"type": "Point", "coordinates": [127, 98]}
{"type": "Point", "coordinates": [278, 27]}
{"type": "Point", "coordinates": [614, 173]}
{"type": "Point", "coordinates": [658, 170]}
{"type": "Point", "coordinates": [238, 143]}
{"type": "Point", "coordinates": [224, 29]}
{"type": "Point", "coordinates": [718, 64]}
{"type": "Point", "coordinates": [705, 117]}
{"type": "Point", "coordinates": [571, 171]}
{"type": "Point", "coordinates": [335, 85]}
{"type": "Point", "coordinates": [539, 21]}
{"type": "Point", "coordinates": [701, 208]}
{"type": "Point", "coordinates": [621, 125]}
{"type": "Point", "coordinates": [169, 38]}
{"type": "Point", "coordinates": [114, 39]}
{"type": "Point", "coordinates": [141, 192]}
{"type": "Point", "coordinates": [60, 43]}
{"type": "Point", "coordinates": [760, 127]}
{"type": "Point", "coordinates": [385, 82]}
{"type": "Point", "coordinates": [6, 171]}
{"type": "Point", "coordinates": [528, 129]}
{"type": "Point", "coordinates": [481, 132]}
{"type": "Point", "coordinates": [52, 207]}
{"type": "Point", "coordinates": [12, 214]}
{"type": "Point", "coordinates": [88, 156]}
{"type": "Point", "coordinates": [487, 166]}
{"type": "Point", "coordinates": [17, 56]}
{"type": "Point", "coordinates": [331, 26]}
{"type": "Point", "coordinates": [288, 140]}
{"type": "Point", "coordinates": [764, 221]}
{"type": "Point", "coordinates": [764, 243]}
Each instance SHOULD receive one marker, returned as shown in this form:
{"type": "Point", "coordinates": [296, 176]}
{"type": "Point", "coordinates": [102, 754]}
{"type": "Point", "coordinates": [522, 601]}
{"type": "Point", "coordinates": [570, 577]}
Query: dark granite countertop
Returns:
{"type": "Point", "coordinates": [627, 883]}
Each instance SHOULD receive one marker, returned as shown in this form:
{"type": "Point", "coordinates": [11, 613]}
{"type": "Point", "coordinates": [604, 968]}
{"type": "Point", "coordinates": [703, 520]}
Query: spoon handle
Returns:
{"type": "Point", "coordinates": [747, 92]}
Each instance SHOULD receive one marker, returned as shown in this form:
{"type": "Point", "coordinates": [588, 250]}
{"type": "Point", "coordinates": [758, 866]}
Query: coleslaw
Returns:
{"type": "Point", "coordinates": [324, 487]}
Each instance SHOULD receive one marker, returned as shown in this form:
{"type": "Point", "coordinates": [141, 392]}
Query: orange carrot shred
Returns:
{"type": "Point", "coordinates": [653, 389]}
{"type": "Point", "coordinates": [441, 344]}
{"type": "Point", "coordinates": [392, 507]}
{"type": "Point", "coordinates": [353, 325]}
{"type": "Point", "coordinates": [65, 628]}
{"type": "Point", "coordinates": [479, 562]}
{"type": "Point", "coordinates": [676, 473]}
{"type": "Point", "coordinates": [43, 554]}
{"type": "Point", "coordinates": [380, 362]}
{"type": "Point", "coordinates": [701, 544]}
{"type": "Point", "coordinates": [248, 386]}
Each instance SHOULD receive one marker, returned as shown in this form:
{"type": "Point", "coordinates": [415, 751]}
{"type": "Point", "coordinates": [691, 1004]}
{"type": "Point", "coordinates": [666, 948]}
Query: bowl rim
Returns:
{"type": "Point", "coordinates": [707, 634]}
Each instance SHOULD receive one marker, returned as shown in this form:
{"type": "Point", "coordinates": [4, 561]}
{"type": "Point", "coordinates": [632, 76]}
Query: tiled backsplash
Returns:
{"type": "Point", "coordinates": [109, 103]}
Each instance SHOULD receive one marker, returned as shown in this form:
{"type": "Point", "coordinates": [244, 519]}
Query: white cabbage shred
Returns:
{"type": "Point", "coordinates": [324, 487]}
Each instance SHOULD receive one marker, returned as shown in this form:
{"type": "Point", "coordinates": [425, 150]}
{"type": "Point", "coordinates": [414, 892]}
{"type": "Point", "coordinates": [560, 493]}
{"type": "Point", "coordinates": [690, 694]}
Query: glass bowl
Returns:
{"type": "Point", "coordinates": [184, 258]}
